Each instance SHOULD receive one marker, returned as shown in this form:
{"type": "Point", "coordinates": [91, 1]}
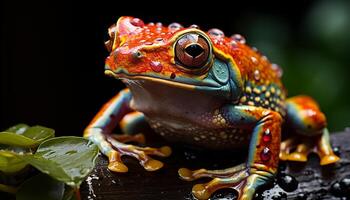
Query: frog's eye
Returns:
{"type": "Point", "coordinates": [192, 51]}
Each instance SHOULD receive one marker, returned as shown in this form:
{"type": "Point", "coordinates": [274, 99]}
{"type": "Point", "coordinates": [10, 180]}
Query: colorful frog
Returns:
{"type": "Point", "coordinates": [206, 90]}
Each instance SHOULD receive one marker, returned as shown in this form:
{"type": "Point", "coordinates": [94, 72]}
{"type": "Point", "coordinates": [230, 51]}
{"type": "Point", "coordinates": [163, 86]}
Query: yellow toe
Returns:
{"type": "Point", "coordinates": [185, 174]}
{"type": "Point", "coordinates": [200, 192]}
{"type": "Point", "coordinates": [283, 156]}
{"type": "Point", "coordinates": [117, 167]}
{"type": "Point", "coordinates": [299, 157]}
{"type": "Point", "coordinates": [153, 165]}
{"type": "Point", "coordinates": [326, 160]}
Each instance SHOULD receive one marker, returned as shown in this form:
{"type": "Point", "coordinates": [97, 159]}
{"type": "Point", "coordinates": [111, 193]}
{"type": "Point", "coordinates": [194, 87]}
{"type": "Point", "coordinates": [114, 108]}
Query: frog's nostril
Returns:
{"type": "Point", "coordinates": [194, 50]}
{"type": "Point", "coordinates": [137, 55]}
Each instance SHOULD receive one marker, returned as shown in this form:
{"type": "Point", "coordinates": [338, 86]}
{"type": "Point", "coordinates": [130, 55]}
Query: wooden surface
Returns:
{"type": "Point", "coordinates": [314, 181]}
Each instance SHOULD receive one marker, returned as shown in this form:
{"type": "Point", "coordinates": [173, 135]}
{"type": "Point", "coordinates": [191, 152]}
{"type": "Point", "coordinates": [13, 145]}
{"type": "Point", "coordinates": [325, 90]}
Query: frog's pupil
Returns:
{"type": "Point", "coordinates": [194, 50]}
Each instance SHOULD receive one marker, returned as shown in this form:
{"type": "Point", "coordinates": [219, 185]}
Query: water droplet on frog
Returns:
{"type": "Point", "coordinates": [156, 66]}
{"type": "Point", "coordinates": [265, 154]}
{"type": "Point", "coordinates": [233, 43]}
{"type": "Point", "coordinates": [158, 24]}
{"type": "Point", "coordinates": [137, 22]}
{"type": "Point", "coordinates": [216, 32]}
{"type": "Point", "coordinates": [267, 136]}
{"type": "Point", "coordinates": [174, 26]}
{"type": "Point", "coordinates": [256, 75]}
{"type": "Point", "coordinates": [238, 38]}
{"type": "Point", "coordinates": [277, 69]}
{"type": "Point", "coordinates": [194, 26]}
{"type": "Point", "coordinates": [159, 29]}
{"type": "Point", "coordinates": [151, 24]}
{"type": "Point", "coordinates": [254, 60]}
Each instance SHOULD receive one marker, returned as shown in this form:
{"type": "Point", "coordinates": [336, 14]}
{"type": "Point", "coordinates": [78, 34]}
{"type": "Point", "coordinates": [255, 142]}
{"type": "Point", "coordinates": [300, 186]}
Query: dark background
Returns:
{"type": "Point", "coordinates": [52, 54]}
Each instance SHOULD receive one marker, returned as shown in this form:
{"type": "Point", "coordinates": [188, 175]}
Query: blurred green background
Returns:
{"type": "Point", "coordinates": [314, 54]}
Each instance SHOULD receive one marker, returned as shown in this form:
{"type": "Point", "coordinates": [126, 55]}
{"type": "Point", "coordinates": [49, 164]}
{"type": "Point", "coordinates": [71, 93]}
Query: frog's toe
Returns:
{"type": "Point", "coordinates": [286, 147]}
{"type": "Point", "coordinates": [240, 178]}
{"type": "Point", "coordinates": [152, 165]}
{"type": "Point", "coordinates": [204, 191]}
{"type": "Point", "coordinates": [163, 151]}
{"type": "Point", "coordinates": [115, 162]}
{"type": "Point", "coordinates": [297, 157]}
{"type": "Point", "coordinates": [244, 182]}
{"type": "Point", "coordinates": [329, 159]}
{"type": "Point", "coordinates": [140, 153]}
{"type": "Point", "coordinates": [186, 174]}
{"type": "Point", "coordinates": [301, 152]}
{"type": "Point", "coordinates": [283, 155]}
{"type": "Point", "coordinates": [189, 175]}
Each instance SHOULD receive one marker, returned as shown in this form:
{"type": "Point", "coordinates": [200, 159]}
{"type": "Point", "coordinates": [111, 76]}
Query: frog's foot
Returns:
{"type": "Point", "coordinates": [303, 147]}
{"type": "Point", "coordinates": [124, 138]}
{"type": "Point", "coordinates": [240, 178]}
{"type": "Point", "coordinates": [140, 153]}
{"type": "Point", "coordinates": [286, 150]}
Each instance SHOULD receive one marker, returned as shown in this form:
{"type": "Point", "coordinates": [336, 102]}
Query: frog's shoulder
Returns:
{"type": "Point", "coordinates": [253, 66]}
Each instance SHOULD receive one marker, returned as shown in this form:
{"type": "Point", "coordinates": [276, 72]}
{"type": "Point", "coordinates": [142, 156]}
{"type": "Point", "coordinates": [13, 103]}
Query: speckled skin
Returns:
{"type": "Point", "coordinates": [208, 90]}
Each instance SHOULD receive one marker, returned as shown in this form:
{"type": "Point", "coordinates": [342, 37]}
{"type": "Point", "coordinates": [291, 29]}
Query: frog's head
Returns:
{"type": "Point", "coordinates": [176, 56]}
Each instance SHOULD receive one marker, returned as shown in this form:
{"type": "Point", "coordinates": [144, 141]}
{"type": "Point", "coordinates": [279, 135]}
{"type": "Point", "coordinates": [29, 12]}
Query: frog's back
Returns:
{"type": "Point", "coordinates": [261, 79]}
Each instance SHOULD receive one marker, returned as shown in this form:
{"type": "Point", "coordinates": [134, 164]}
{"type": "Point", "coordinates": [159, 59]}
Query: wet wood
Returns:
{"type": "Point", "coordinates": [314, 181]}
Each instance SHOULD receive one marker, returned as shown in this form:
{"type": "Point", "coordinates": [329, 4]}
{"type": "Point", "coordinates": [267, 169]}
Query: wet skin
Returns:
{"type": "Point", "coordinates": [206, 90]}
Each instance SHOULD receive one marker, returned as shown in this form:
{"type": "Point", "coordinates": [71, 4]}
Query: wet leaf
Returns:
{"type": "Point", "coordinates": [41, 187]}
{"type": "Point", "coordinates": [10, 163]}
{"type": "Point", "coordinates": [18, 128]}
{"type": "Point", "coordinates": [10, 138]}
{"type": "Point", "coordinates": [67, 159]}
{"type": "Point", "coordinates": [24, 136]}
{"type": "Point", "coordinates": [39, 133]}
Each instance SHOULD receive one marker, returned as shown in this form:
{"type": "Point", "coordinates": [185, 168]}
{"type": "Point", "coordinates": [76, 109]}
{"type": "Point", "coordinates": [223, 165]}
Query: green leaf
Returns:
{"type": "Point", "coordinates": [14, 139]}
{"type": "Point", "coordinates": [39, 133]}
{"type": "Point", "coordinates": [41, 187]}
{"type": "Point", "coordinates": [67, 159]}
{"type": "Point", "coordinates": [10, 163]}
{"type": "Point", "coordinates": [24, 136]}
{"type": "Point", "coordinates": [18, 128]}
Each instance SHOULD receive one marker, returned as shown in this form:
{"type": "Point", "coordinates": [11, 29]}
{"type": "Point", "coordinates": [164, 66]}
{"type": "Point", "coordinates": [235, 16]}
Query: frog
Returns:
{"type": "Point", "coordinates": [207, 90]}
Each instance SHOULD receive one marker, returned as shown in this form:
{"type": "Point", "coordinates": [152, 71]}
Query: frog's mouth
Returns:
{"type": "Point", "coordinates": [175, 83]}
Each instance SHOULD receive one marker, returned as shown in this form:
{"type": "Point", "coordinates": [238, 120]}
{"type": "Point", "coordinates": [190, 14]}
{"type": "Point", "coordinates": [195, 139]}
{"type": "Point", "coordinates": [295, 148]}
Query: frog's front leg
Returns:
{"type": "Point", "coordinates": [262, 162]}
{"type": "Point", "coordinates": [117, 110]}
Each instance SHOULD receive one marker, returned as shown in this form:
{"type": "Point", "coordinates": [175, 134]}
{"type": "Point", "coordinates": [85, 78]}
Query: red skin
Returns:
{"type": "Point", "coordinates": [247, 59]}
